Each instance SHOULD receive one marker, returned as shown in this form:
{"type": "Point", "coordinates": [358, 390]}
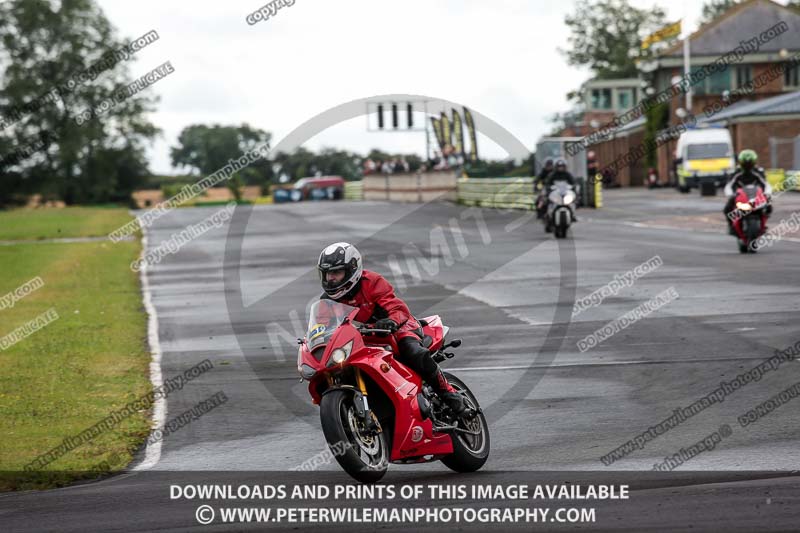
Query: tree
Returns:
{"type": "Point", "coordinates": [235, 185]}
{"type": "Point", "coordinates": [714, 8]}
{"type": "Point", "coordinates": [296, 165]}
{"type": "Point", "coordinates": [378, 155]}
{"type": "Point", "coordinates": [567, 119]}
{"type": "Point", "coordinates": [45, 44]}
{"type": "Point", "coordinates": [656, 119]}
{"type": "Point", "coordinates": [332, 162]}
{"type": "Point", "coordinates": [606, 36]}
{"type": "Point", "coordinates": [206, 149]}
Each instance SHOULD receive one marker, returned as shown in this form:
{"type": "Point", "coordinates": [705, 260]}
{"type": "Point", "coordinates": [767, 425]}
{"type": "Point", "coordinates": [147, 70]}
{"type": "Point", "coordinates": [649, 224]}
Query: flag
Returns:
{"type": "Point", "coordinates": [667, 32]}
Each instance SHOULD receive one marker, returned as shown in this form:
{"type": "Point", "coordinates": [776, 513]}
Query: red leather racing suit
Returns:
{"type": "Point", "coordinates": [375, 299]}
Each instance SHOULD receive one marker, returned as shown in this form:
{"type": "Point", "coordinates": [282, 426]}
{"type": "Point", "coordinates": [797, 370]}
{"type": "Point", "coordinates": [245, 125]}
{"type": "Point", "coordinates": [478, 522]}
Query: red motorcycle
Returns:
{"type": "Point", "coordinates": [750, 217]}
{"type": "Point", "coordinates": [375, 410]}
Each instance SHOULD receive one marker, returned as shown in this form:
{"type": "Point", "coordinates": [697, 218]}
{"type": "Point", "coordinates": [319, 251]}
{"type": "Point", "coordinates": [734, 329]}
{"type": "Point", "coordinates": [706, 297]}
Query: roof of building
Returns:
{"type": "Point", "coordinates": [633, 125]}
{"type": "Point", "coordinates": [784, 104]}
{"type": "Point", "coordinates": [740, 23]}
{"type": "Point", "coordinates": [611, 83]}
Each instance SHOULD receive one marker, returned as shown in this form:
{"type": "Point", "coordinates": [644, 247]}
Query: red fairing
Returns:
{"type": "Point", "coordinates": [434, 330]}
{"type": "Point", "coordinates": [398, 382]}
{"type": "Point", "coordinates": [401, 385]}
{"type": "Point", "coordinates": [760, 200]}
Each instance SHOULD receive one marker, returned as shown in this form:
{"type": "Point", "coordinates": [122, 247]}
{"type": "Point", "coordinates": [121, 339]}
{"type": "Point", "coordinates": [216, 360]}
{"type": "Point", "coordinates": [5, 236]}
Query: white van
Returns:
{"type": "Point", "coordinates": [704, 158]}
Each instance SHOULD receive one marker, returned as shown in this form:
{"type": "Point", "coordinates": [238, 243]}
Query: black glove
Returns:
{"type": "Point", "coordinates": [386, 323]}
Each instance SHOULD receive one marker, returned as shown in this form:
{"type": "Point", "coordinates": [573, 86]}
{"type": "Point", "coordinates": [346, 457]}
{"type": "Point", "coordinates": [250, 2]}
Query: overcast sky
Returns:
{"type": "Point", "coordinates": [497, 57]}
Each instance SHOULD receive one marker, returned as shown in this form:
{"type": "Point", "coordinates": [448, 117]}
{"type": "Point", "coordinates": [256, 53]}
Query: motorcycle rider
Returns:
{"type": "Point", "coordinates": [538, 185]}
{"type": "Point", "coordinates": [560, 173]}
{"type": "Point", "coordinates": [344, 280]}
{"type": "Point", "coordinates": [592, 167]}
{"type": "Point", "coordinates": [747, 174]}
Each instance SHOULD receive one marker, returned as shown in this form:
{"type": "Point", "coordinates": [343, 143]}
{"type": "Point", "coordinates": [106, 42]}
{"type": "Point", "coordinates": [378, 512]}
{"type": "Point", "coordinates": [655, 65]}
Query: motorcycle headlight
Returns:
{"type": "Point", "coordinates": [340, 354]}
{"type": "Point", "coordinates": [306, 371]}
{"type": "Point", "coordinates": [569, 197]}
{"type": "Point", "coordinates": [556, 198]}
{"type": "Point", "coordinates": [741, 206]}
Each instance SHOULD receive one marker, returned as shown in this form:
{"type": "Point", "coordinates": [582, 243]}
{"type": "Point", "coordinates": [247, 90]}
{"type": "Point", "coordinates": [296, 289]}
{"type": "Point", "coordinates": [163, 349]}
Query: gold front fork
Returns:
{"type": "Point", "coordinates": [362, 387]}
{"type": "Point", "coordinates": [360, 382]}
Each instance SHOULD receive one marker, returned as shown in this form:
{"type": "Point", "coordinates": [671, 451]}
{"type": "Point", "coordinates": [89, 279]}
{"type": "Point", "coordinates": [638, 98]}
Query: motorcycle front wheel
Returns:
{"type": "Point", "coordinates": [363, 454]}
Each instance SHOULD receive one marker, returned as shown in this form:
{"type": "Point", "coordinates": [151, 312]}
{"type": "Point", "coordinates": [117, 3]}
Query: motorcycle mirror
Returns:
{"type": "Point", "coordinates": [455, 343]}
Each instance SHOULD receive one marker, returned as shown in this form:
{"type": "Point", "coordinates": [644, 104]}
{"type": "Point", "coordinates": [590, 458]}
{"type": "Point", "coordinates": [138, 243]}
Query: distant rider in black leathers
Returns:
{"type": "Point", "coordinates": [539, 190]}
{"type": "Point", "coordinates": [747, 174]}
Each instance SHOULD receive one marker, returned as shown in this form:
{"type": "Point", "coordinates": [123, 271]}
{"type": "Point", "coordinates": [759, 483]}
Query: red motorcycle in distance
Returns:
{"type": "Point", "coordinates": [374, 410]}
{"type": "Point", "coordinates": [750, 217]}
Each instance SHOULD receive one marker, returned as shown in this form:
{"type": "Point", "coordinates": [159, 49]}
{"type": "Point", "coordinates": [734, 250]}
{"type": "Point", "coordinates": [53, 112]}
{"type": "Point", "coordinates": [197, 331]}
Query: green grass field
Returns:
{"type": "Point", "coordinates": [34, 224]}
{"type": "Point", "coordinates": [78, 369]}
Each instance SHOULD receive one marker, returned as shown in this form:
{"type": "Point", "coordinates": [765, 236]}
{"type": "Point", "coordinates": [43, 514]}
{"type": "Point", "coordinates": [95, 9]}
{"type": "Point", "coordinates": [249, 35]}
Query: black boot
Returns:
{"type": "Point", "coordinates": [447, 393]}
{"type": "Point", "coordinates": [413, 354]}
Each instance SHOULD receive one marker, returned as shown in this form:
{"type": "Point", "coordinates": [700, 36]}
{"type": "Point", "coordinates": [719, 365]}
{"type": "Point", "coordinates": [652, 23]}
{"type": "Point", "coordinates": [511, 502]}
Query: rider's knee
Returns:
{"type": "Point", "coordinates": [417, 356]}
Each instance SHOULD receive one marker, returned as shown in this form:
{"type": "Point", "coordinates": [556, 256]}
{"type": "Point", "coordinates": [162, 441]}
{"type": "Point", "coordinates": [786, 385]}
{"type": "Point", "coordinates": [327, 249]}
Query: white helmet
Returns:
{"type": "Point", "coordinates": [340, 256]}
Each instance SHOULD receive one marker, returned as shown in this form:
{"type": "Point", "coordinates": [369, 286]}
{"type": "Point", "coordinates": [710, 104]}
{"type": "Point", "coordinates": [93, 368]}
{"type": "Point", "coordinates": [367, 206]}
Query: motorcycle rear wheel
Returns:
{"type": "Point", "coordinates": [366, 456]}
{"type": "Point", "coordinates": [470, 452]}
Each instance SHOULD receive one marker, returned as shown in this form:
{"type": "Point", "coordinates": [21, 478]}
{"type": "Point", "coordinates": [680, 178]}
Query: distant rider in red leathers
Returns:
{"type": "Point", "coordinates": [344, 280]}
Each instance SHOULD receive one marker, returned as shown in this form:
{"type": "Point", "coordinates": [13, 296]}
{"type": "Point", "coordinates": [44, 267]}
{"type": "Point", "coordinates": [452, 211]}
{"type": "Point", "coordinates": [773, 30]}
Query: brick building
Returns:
{"type": "Point", "coordinates": [754, 94]}
{"type": "Point", "coordinates": [601, 101]}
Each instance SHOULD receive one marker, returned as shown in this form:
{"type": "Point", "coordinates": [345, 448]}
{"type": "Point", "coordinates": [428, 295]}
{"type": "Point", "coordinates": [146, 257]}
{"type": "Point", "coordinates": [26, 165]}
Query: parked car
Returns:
{"type": "Point", "coordinates": [321, 188]}
{"type": "Point", "coordinates": [318, 188]}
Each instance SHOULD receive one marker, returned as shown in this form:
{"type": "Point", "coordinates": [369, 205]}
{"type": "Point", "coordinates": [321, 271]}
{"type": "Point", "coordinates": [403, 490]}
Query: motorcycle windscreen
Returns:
{"type": "Point", "coordinates": [751, 191]}
{"type": "Point", "coordinates": [323, 319]}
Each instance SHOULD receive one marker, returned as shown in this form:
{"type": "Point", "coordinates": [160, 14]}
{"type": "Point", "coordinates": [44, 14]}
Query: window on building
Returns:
{"type": "Point", "coordinates": [744, 75]}
{"type": "Point", "coordinates": [698, 87]}
{"type": "Point", "coordinates": [624, 99]}
{"type": "Point", "coordinates": [791, 77]}
{"type": "Point", "coordinates": [719, 82]}
{"type": "Point", "coordinates": [712, 83]}
{"type": "Point", "coordinates": [601, 99]}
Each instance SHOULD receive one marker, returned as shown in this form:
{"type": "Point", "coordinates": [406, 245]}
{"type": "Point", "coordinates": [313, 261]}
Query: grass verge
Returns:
{"type": "Point", "coordinates": [54, 223]}
{"type": "Point", "coordinates": [78, 369]}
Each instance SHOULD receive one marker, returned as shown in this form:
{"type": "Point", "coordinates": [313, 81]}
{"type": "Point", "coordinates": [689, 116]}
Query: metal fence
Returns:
{"type": "Point", "coordinates": [497, 192]}
{"type": "Point", "coordinates": [354, 190]}
{"type": "Point", "coordinates": [517, 193]}
{"type": "Point", "coordinates": [784, 152]}
{"type": "Point", "coordinates": [783, 180]}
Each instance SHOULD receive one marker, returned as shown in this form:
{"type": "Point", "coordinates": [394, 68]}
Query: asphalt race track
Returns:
{"type": "Point", "coordinates": [237, 297]}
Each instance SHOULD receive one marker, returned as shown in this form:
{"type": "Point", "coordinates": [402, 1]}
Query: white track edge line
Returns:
{"type": "Point", "coordinates": [152, 452]}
